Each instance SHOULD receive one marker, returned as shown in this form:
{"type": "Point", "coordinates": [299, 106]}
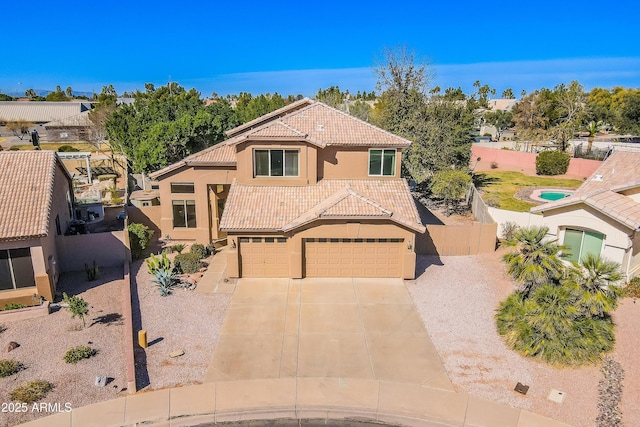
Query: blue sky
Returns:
{"type": "Point", "coordinates": [301, 46]}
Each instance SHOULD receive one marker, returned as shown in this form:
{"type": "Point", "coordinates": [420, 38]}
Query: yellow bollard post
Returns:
{"type": "Point", "coordinates": [142, 338]}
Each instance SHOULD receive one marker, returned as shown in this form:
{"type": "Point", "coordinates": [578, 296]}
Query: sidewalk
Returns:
{"type": "Point", "coordinates": [301, 398]}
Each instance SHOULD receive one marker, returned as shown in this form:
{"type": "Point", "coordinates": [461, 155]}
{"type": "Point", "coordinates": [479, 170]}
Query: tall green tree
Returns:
{"type": "Point", "coordinates": [508, 93]}
{"type": "Point", "coordinates": [501, 120]}
{"type": "Point", "coordinates": [450, 185]}
{"type": "Point", "coordinates": [166, 124]}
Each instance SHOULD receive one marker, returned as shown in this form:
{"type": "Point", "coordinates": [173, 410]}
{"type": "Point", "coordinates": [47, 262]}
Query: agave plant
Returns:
{"type": "Point", "coordinates": [165, 280]}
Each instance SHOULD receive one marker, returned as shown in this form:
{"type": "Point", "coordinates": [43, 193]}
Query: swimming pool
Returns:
{"type": "Point", "coordinates": [553, 195]}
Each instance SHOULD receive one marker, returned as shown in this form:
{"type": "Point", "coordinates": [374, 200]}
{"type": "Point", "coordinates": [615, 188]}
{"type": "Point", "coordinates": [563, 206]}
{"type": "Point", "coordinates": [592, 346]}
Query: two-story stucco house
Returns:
{"type": "Point", "coordinates": [36, 199]}
{"type": "Point", "coordinates": [305, 191]}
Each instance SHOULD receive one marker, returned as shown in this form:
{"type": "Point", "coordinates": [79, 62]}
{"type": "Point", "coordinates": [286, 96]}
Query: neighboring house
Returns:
{"type": "Point", "coordinates": [40, 112]}
{"type": "Point", "coordinates": [603, 216]}
{"type": "Point", "coordinates": [36, 199]}
{"type": "Point", "coordinates": [305, 191]}
{"type": "Point", "coordinates": [74, 128]}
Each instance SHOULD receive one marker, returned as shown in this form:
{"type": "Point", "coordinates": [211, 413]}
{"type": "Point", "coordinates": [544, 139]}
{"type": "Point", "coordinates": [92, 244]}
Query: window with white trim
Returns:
{"type": "Point", "coordinates": [276, 162]}
{"type": "Point", "coordinates": [382, 162]}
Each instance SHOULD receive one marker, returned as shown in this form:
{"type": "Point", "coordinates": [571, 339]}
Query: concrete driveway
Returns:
{"type": "Point", "coordinates": [325, 328]}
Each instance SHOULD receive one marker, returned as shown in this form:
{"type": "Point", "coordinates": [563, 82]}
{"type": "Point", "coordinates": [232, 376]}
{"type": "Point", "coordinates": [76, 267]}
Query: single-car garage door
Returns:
{"type": "Point", "coordinates": [264, 257]}
{"type": "Point", "coordinates": [353, 257]}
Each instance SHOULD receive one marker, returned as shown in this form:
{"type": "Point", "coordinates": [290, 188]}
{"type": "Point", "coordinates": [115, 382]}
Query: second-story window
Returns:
{"type": "Point", "coordinates": [276, 162]}
{"type": "Point", "coordinates": [382, 162]}
{"type": "Point", "coordinates": [183, 187]}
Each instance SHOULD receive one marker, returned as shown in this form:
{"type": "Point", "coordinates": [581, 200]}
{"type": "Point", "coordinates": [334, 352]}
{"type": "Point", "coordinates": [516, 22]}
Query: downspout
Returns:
{"type": "Point", "coordinates": [633, 237]}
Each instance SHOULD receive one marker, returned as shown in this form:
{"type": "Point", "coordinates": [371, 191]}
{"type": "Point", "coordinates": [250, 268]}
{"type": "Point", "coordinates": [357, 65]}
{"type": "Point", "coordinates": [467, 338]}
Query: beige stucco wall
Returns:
{"type": "Point", "coordinates": [202, 177]}
{"type": "Point", "coordinates": [349, 163]}
{"type": "Point", "coordinates": [331, 229]}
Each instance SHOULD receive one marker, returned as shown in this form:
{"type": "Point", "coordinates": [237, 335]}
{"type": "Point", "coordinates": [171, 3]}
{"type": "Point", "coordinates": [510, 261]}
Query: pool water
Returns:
{"type": "Point", "coordinates": [553, 195]}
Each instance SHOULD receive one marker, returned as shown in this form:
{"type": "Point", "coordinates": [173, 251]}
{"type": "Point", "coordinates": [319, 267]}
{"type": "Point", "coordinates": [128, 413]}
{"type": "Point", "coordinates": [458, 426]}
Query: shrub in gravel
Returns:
{"type": "Point", "coordinates": [9, 367]}
{"type": "Point", "coordinates": [31, 391]}
{"type": "Point", "coordinates": [509, 229]}
{"type": "Point", "coordinates": [178, 247]}
{"type": "Point", "coordinates": [77, 306]}
{"type": "Point", "coordinates": [632, 289]}
{"type": "Point", "coordinates": [549, 325]}
{"type": "Point", "coordinates": [199, 250]}
{"type": "Point", "coordinates": [188, 263]}
{"type": "Point", "coordinates": [154, 263]}
{"type": "Point", "coordinates": [610, 394]}
{"type": "Point", "coordinates": [165, 281]}
{"type": "Point", "coordinates": [76, 354]}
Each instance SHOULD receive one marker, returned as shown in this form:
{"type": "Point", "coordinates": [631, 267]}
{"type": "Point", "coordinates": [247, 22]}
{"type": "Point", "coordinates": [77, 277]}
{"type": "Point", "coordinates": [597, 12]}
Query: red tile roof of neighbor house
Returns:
{"type": "Point", "coordinates": [284, 208]}
{"type": "Point", "coordinates": [602, 190]}
{"type": "Point", "coordinates": [322, 125]}
{"type": "Point", "coordinates": [26, 193]}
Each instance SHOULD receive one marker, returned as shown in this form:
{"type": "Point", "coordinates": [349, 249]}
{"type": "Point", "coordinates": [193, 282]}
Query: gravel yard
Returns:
{"type": "Point", "coordinates": [457, 297]}
{"type": "Point", "coordinates": [44, 341]}
{"type": "Point", "coordinates": [185, 320]}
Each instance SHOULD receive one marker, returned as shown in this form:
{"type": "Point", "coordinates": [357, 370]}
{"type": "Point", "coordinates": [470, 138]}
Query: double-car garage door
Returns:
{"type": "Point", "coordinates": [323, 257]}
{"type": "Point", "coordinates": [353, 257]}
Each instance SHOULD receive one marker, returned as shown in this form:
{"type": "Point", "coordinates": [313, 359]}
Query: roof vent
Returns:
{"type": "Point", "coordinates": [320, 127]}
{"type": "Point", "coordinates": [597, 178]}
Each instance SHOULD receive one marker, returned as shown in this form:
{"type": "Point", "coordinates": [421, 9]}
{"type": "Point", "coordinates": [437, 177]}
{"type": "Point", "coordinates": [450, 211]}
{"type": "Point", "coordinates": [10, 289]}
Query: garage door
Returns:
{"type": "Point", "coordinates": [264, 257]}
{"type": "Point", "coordinates": [353, 257]}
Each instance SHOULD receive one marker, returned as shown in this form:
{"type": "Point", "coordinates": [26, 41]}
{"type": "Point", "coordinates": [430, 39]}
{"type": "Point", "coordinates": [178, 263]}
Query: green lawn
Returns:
{"type": "Point", "coordinates": [53, 146]}
{"type": "Point", "coordinates": [500, 187]}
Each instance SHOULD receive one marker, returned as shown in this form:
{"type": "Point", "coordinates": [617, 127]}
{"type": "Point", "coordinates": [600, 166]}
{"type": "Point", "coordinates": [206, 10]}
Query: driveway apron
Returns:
{"type": "Point", "coordinates": [325, 328]}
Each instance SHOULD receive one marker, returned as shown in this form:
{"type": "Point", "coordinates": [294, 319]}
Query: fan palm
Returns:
{"type": "Point", "coordinates": [597, 279]}
{"type": "Point", "coordinates": [537, 261]}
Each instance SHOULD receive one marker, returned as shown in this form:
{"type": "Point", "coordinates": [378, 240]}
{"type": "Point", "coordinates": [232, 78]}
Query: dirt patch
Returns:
{"type": "Point", "coordinates": [185, 320]}
{"type": "Point", "coordinates": [44, 341]}
{"type": "Point", "coordinates": [457, 298]}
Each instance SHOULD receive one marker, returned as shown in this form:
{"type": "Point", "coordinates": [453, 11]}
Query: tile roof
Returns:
{"type": "Point", "coordinates": [26, 192]}
{"type": "Point", "coordinates": [602, 190]}
{"type": "Point", "coordinates": [284, 208]}
{"type": "Point", "coordinates": [40, 111]}
{"type": "Point", "coordinates": [269, 116]}
{"type": "Point", "coordinates": [323, 125]}
{"type": "Point", "coordinates": [220, 154]}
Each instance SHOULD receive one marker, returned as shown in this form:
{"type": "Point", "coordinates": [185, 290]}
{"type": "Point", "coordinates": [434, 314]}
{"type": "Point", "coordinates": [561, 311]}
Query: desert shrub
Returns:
{"type": "Point", "coordinates": [9, 367]}
{"type": "Point", "coordinates": [92, 272]}
{"type": "Point", "coordinates": [211, 249]}
{"type": "Point", "coordinates": [67, 149]}
{"type": "Point", "coordinates": [199, 250]}
{"type": "Point", "coordinates": [494, 165]}
{"type": "Point", "coordinates": [13, 306]}
{"type": "Point", "coordinates": [139, 235]}
{"type": "Point", "coordinates": [31, 391]}
{"type": "Point", "coordinates": [508, 230]}
{"type": "Point", "coordinates": [492, 201]}
{"type": "Point", "coordinates": [632, 289]}
{"type": "Point", "coordinates": [188, 263]}
{"type": "Point", "coordinates": [165, 281]}
{"type": "Point", "coordinates": [76, 354]}
{"type": "Point", "coordinates": [552, 163]}
{"type": "Point", "coordinates": [178, 247]}
{"type": "Point", "coordinates": [548, 325]}
{"type": "Point", "coordinates": [77, 306]}
{"type": "Point", "coordinates": [156, 263]}
{"type": "Point", "coordinates": [14, 148]}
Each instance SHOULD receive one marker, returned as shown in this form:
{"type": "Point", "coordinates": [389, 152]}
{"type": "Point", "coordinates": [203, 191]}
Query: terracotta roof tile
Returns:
{"type": "Point", "coordinates": [323, 125]}
{"type": "Point", "coordinates": [219, 154]}
{"type": "Point", "coordinates": [279, 208]}
{"type": "Point", "coordinates": [26, 189]}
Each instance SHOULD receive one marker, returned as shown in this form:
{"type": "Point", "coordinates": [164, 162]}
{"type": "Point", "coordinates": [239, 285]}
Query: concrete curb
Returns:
{"type": "Point", "coordinates": [299, 398]}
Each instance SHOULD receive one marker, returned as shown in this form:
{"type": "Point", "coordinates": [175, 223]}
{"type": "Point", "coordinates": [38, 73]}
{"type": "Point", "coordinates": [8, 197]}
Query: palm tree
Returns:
{"type": "Point", "coordinates": [537, 261]}
{"type": "Point", "coordinates": [597, 279]}
{"type": "Point", "coordinates": [593, 128]}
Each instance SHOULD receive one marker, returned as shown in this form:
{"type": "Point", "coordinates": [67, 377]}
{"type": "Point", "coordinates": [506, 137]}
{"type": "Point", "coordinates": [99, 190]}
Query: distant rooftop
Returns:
{"type": "Point", "coordinates": [41, 111]}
